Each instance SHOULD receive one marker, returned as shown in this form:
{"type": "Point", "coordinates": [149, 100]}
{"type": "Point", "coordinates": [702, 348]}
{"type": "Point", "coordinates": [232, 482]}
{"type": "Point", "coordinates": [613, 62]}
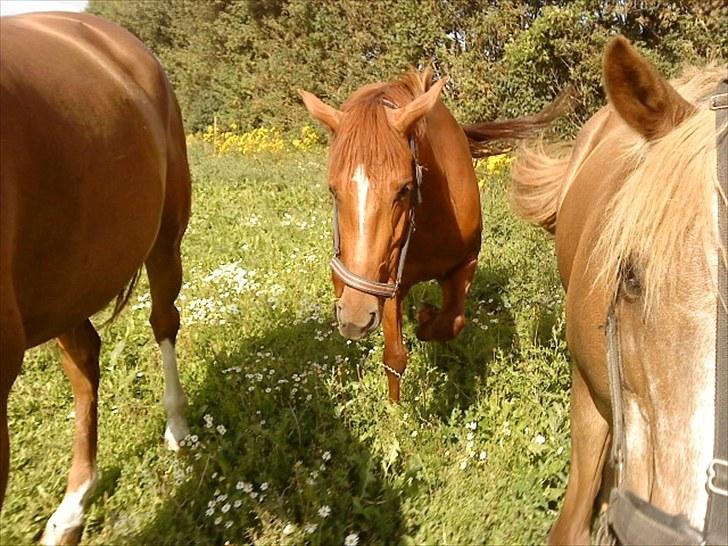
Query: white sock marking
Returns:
{"type": "Point", "coordinates": [175, 399]}
{"type": "Point", "coordinates": [69, 514]}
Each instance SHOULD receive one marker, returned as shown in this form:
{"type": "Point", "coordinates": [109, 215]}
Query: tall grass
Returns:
{"type": "Point", "coordinates": [293, 439]}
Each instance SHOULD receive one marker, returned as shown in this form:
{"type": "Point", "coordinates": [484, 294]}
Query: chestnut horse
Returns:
{"type": "Point", "coordinates": [94, 183]}
{"type": "Point", "coordinates": [634, 205]}
{"type": "Point", "coordinates": [398, 159]}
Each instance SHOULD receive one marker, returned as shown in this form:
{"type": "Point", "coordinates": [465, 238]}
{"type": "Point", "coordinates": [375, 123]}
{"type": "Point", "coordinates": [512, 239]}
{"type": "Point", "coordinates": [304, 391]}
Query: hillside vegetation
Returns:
{"type": "Point", "coordinates": [243, 60]}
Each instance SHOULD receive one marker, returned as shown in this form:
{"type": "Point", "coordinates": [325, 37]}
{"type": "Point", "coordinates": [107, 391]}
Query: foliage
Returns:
{"type": "Point", "coordinates": [243, 61]}
{"type": "Point", "coordinates": [254, 141]}
{"type": "Point", "coordinates": [287, 417]}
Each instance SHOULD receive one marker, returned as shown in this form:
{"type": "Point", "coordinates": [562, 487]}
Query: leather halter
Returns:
{"type": "Point", "coordinates": [630, 519]}
{"type": "Point", "coordinates": [362, 284]}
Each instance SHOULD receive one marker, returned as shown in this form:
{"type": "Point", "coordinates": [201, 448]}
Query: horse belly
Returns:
{"type": "Point", "coordinates": [71, 261]}
{"type": "Point", "coordinates": [86, 168]}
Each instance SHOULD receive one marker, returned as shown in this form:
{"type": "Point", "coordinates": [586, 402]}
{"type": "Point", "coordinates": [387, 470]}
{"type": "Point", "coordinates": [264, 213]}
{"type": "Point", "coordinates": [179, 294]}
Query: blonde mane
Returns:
{"type": "Point", "coordinates": [669, 200]}
{"type": "Point", "coordinates": [365, 135]}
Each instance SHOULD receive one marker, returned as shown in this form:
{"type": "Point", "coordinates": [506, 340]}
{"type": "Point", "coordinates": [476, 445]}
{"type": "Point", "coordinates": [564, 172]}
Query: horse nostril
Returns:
{"type": "Point", "coordinates": [373, 320]}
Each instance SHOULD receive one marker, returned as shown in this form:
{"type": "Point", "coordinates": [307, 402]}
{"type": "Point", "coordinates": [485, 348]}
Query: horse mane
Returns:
{"type": "Point", "coordinates": [365, 135]}
{"type": "Point", "coordinates": [669, 200]}
{"type": "Point", "coordinates": [537, 181]}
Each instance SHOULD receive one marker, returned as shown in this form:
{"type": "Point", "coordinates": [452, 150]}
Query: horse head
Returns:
{"type": "Point", "coordinates": [373, 178]}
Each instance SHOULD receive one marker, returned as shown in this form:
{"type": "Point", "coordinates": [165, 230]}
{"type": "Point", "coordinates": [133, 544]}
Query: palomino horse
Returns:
{"type": "Point", "coordinates": [398, 159]}
{"type": "Point", "coordinates": [94, 184]}
{"type": "Point", "coordinates": [634, 205]}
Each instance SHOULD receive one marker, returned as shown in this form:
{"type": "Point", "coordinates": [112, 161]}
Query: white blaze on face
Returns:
{"type": "Point", "coordinates": [362, 189]}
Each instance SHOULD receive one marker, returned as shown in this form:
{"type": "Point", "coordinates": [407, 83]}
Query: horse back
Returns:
{"type": "Point", "coordinates": [89, 126]}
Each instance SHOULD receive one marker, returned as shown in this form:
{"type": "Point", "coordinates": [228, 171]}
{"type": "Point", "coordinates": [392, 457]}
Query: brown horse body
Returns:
{"type": "Point", "coordinates": [634, 211]}
{"type": "Point", "coordinates": [372, 179]}
{"type": "Point", "coordinates": [95, 184]}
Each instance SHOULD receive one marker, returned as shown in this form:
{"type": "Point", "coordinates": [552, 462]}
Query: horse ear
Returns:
{"type": "Point", "coordinates": [426, 77]}
{"type": "Point", "coordinates": [642, 98]}
{"type": "Point", "coordinates": [328, 115]}
{"type": "Point", "coordinates": [403, 118]}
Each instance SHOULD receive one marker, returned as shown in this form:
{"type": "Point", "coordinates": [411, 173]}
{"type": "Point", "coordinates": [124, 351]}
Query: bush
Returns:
{"type": "Point", "coordinates": [243, 61]}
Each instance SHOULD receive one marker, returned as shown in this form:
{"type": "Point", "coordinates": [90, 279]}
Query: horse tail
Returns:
{"type": "Point", "coordinates": [481, 135]}
{"type": "Point", "coordinates": [537, 180]}
{"type": "Point", "coordinates": [123, 297]}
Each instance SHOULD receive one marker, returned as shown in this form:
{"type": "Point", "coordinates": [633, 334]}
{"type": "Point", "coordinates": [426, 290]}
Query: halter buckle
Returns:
{"type": "Point", "coordinates": [719, 101]}
{"type": "Point", "coordinates": [713, 474]}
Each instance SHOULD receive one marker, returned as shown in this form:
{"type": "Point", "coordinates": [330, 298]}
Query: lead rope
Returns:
{"type": "Point", "coordinates": [605, 535]}
{"type": "Point", "coordinates": [416, 200]}
{"type": "Point", "coordinates": [715, 529]}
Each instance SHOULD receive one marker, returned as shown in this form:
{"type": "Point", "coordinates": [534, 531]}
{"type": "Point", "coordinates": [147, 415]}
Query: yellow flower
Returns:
{"type": "Point", "coordinates": [497, 164]}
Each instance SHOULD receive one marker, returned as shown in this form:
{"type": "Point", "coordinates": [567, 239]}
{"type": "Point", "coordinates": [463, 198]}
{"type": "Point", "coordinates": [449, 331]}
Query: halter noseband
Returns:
{"type": "Point", "coordinates": [357, 282]}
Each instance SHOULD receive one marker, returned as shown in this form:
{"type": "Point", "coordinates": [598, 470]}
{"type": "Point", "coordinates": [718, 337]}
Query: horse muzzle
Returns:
{"type": "Point", "coordinates": [358, 320]}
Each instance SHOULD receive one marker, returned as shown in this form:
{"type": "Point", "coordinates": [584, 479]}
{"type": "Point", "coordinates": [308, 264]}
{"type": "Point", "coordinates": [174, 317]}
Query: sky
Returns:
{"type": "Point", "coordinates": [13, 7]}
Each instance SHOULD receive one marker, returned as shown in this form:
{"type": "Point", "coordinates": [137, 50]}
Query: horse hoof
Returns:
{"type": "Point", "coordinates": [174, 434]}
{"type": "Point", "coordinates": [57, 534]}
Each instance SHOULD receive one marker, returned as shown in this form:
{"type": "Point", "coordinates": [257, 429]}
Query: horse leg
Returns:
{"type": "Point", "coordinates": [80, 356]}
{"type": "Point", "coordinates": [12, 347]}
{"type": "Point", "coordinates": [395, 354]}
{"type": "Point", "coordinates": [589, 449]}
{"type": "Point", "coordinates": [446, 324]}
{"type": "Point", "coordinates": [164, 270]}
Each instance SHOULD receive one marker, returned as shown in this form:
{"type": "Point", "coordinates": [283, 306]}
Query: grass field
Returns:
{"type": "Point", "coordinates": [294, 441]}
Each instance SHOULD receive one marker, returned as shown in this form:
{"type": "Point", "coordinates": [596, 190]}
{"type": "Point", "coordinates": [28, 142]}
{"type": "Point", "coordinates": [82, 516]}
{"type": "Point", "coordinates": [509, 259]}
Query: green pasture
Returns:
{"type": "Point", "coordinates": [293, 440]}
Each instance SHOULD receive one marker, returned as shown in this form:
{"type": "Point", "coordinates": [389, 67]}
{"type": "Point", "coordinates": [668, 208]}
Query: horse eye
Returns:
{"type": "Point", "coordinates": [631, 286]}
{"type": "Point", "coordinates": [404, 191]}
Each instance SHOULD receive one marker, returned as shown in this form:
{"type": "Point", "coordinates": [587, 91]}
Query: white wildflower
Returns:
{"type": "Point", "coordinates": [352, 539]}
{"type": "Point", "coordinates": [324, 511]}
